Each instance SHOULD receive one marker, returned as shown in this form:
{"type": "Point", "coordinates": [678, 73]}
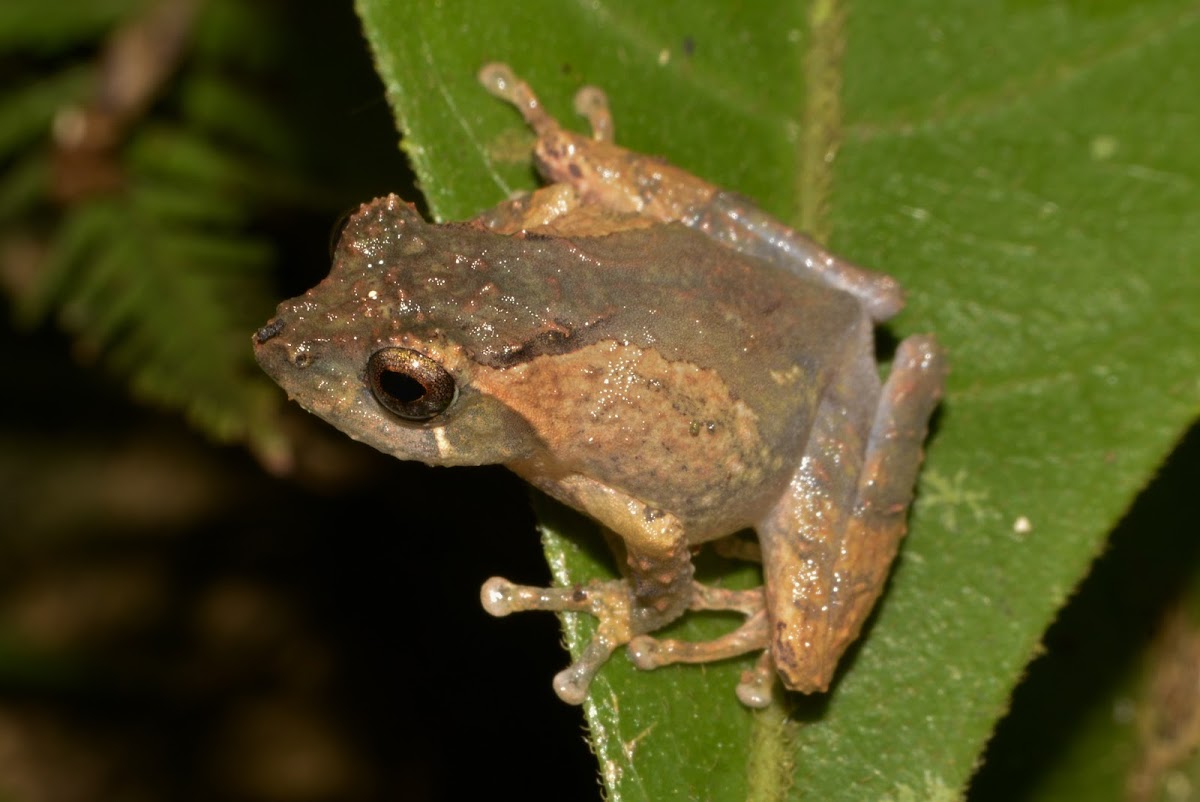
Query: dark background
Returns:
{"type": "Point", "coordinates": [176, 623]}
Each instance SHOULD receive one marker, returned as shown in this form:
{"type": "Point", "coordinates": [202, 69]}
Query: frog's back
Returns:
{"type": "Point", "coordinates": [656, 339]}
{"type": "Point", "coordinates": [674, 289]}
{"type": "Point", "coordinates": [661, 341]}
{"type": "Point", "coordinates": [771, 335]}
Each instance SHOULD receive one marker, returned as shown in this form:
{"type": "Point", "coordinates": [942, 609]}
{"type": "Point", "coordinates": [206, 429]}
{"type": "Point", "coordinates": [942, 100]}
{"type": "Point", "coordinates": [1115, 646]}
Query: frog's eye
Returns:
{"type": "Point", "coordinates": [410, 384]}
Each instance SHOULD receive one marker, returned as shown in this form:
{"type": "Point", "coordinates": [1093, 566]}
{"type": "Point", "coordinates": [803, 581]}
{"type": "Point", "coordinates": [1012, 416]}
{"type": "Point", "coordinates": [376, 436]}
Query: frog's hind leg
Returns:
{"type": "Point", "coordinates": [732, 219]}
{"type": "Point", "coordinates": [889, 474]}
{"type": "Point", "coordinates": [828, 546]}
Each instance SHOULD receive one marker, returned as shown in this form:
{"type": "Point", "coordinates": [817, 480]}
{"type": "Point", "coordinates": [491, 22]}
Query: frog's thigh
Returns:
{"type": "Point", "coordinates": [885, 489]}
{"type": "Point", "coordinates": [895, 447]}
{"type": "Point", "coordinates": [827, 547]}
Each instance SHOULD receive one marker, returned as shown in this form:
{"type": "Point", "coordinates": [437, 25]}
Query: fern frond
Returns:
{"type": "Point", "coordinates": [35, 26]}
{"type": "Point", "coordinates": [163, 303]}
{"type": "Point", "coordinates": [79, 233]}
{"type": "Point", "coordinates": [24, 185]}
{"type": "Point", "coordinates": [232, 114]}
{"type": "Point", "coordinates": [26, 112]}
{"type": "Point", "coordinates": [160, 276]}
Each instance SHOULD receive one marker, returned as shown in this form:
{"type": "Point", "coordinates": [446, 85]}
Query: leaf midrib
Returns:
{"type": "Point", "coordinates": [769, 761]}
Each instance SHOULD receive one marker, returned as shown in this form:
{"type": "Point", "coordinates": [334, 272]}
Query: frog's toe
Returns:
{"type": "Point", "coordinates": [610, 602]}
{"type": "Point", "coordinates": [757, 685]}
{"type": "Point", "coordinates": [592, 103]}
{"type": "Point", "coordinates": [497, 596]}
{"type": "Point", "coordinates": [649, 653]}
{"type": "Point", "coordinates": [738, 548]}
{"type": "Point", "coordinates": [499, 80]}
{"type": "Point", "coordinates": [572, 683]}
{"type": "Point", "coordinates": [501, 597]}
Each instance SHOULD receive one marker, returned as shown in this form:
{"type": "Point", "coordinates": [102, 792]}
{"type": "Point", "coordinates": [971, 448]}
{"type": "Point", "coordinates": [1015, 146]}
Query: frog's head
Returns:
{"type": "Point", "coordinates": [378, 348]}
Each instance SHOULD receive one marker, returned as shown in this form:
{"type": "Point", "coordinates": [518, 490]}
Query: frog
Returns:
{"type": "Point", "coordinates": [655, 352]}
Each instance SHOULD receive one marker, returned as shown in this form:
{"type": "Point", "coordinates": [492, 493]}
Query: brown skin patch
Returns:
{"type": "Point", "coordinates": [598, 409]}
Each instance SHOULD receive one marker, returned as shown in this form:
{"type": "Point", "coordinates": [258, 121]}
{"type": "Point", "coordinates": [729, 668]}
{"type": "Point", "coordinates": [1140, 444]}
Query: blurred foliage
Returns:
{"type": "Point", "coordinates": [145, 248]}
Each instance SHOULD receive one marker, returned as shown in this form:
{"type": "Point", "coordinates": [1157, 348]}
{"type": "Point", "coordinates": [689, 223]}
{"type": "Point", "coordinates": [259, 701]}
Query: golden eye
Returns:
{"type": "Point", "coordinates": [409, 384]}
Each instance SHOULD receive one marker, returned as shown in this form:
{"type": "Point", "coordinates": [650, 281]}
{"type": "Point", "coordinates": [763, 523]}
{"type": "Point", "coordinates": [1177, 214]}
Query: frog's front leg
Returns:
{"type": "Point", "coordinates": [611, 603]}
{"type": "Point", "coordinates": [828, 545]}
{"type": "Point", "coordinates": [657, 589]}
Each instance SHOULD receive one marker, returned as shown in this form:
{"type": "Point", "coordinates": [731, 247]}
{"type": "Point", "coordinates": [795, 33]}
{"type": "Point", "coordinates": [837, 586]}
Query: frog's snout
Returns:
{"type": "Point", "coordinates": [273, 329]}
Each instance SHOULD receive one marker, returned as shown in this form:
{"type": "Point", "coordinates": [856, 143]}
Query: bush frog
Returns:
{"type": "Point", "coordinates": [655, 352]}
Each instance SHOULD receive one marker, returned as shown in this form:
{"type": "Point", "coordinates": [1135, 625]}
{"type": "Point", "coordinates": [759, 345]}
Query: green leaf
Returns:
{"type": "Point", "coordinates": [1029, 172]}
{"type": "Point", "coordinates": [1111, 712]}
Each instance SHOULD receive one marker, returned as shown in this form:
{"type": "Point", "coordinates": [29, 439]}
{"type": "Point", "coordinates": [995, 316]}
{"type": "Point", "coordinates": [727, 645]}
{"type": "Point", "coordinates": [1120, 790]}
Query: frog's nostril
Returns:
{"type": "Point", "coordinates": [269, 331]}
{"type": "Point", "coordinates": [302, 358]}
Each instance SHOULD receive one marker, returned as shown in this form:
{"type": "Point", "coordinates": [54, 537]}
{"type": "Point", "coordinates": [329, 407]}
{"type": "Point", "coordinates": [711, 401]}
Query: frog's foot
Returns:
{"type": "Point", "coordinates": [610, 602]}
{"type": "Point", "coordinates": [754, 689]}
{"type": "Point", "coordinates": [590, 102]}
{"type": "Point", "coordinates": [502, 82]}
